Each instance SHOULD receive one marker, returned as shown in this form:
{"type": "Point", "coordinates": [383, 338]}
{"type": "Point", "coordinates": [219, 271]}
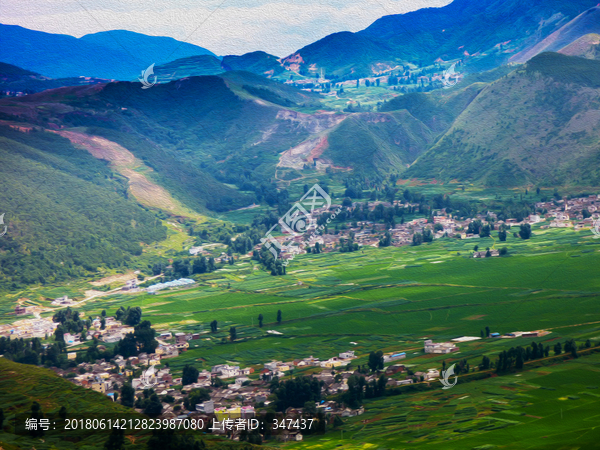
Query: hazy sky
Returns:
{"type": "Point", "coordinates": [223, 26]}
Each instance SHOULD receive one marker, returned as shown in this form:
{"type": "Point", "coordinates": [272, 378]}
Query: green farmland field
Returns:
{"type": "Point", "coordinates": [390, 299]}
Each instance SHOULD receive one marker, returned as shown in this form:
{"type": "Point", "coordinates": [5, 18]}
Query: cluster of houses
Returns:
{"type": "Point", "coordinates": [577, 213]}
{"type": "Point", "coordinates": [561, 213]}
{"type": "Point", "coordinates": [517, 334]}
{"type": "Point", "coordinates": [28, 328]}
{"type": "Point", "coordinates": [63, 301]}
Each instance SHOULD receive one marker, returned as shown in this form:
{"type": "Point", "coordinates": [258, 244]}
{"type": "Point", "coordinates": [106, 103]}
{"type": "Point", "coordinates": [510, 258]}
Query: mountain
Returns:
{"type": "Point", "coordinates": [587, 46]}
{"type": "Point", "coordinates": [192, 66]}
{"type": "Point", "coordinates": [14, 80]}
{"type": "Point", "coordinates": [343, 55]}
{"type": "Point", "coordinates": [154, 49]}
{"type": "Point", "coordinates": [585, 24]}
{"type": "Point", "coordinates": [518, 129]}
{"type": "Point", "coordinates": [484, 34]}
{"type": "Point", "coordinates": [113, 54]}
{"type": "Point", "coordinates": [22, 384]}
{"type": "Point", "coordinates": [198, 135]}
{"type": "Point", "coordinates": [67, 213]}
{"type": "Point", "coordinates": [260, 63]}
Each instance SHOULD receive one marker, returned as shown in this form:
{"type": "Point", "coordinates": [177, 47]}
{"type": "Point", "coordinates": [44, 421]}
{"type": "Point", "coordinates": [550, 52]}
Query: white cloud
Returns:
{"type": "Point", "coordinates": [236, 27]}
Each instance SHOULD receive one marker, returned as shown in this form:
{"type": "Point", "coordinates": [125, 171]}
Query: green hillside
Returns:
{"type": "Point", "coordinates": [265, 88]}
{"type": "Point", "coordinates": [378, 143]}
{"type": "Point", "coordinates": [200, 135]}
{"type": "Point", "coordinates": [484, 34]}
{"type": "Point", "coordinates": [21, 385]}
{"type": "Point", "coordinates": [192, 66]}
{"type": "Point", "coordinates": [535, 125]}
{"type": "Point", "coordinates": [16, 79]}
{"type": "Point", "coordinates": [345, 55]}
{"type": "Point", "coordinates": [260, 63]}
{"type": "Point", "coordinates": [66, 212]}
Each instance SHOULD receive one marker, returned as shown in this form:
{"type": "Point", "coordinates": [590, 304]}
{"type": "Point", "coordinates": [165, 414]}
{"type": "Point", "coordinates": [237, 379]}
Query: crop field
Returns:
{"type": "Point", "coordinates": [388, 298]}
{"type": "Point", "coordinates": [551, 407]}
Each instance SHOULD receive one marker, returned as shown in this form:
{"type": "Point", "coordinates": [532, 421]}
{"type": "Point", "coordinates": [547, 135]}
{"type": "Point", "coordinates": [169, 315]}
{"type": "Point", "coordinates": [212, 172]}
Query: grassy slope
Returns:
{"type": "Point", "coordinates": [547, 282]}
{"type": "Point", "coordinates": [517, 129]}
{"type": "Point", "coordinates": [549, 407]}
{"type": "Point", "coordinates": [371, 142]}
{"type": "Point", "coordinates": [390, 299]}
{"type": "Point", "coordinates": [82, 222]}
{"type": "Point", "coordinates": [21, 384]}
{"type": "Point", "coordinates": [258, 62]}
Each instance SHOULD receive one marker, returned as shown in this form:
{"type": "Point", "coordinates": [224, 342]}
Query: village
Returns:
{"type": "Point", "coordinates": [576, 213]}
{"type": "Point", "coordinates": [241, 392]}
{"type": "Point", "coordinates": [244, 391]}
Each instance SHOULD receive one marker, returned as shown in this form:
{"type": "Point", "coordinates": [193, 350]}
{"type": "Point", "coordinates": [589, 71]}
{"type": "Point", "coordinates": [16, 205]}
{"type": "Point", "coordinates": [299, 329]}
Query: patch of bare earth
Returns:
{"type": "Point", "coordinates": [123, 161]}
{"type": "Point", "coordinates": [120, 278]}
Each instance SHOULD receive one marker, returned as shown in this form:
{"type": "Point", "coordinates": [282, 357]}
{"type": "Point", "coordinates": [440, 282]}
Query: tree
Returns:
{"type": "Point", "coordinates": [59, 334]}
{"type": "Point", "coordinates": [487, 331]}
{"type": "Point", "coordinates": [36, 415]}
{"type": "Point", "coordinates": [260, 320]}
{"type": "Point", "coordinates": [279, 316]}
{"type": "Point", "coordinates": [525, 231]}
{"type": "Point", "coordinates": [502, 235]}
{"type": "Point", "coordinates": [153, 406]}
{"type": "Point", "coordinates": [482, 335]}
{"type": "Point", "coordinates": [127, 395]}
{"type": "Point", "coordinates": [116, 440]}
{"type": "Point", "coordinates": [189, 376]}
{"type": "Point", "coordinates": [337, 422]}
{"type": "Point", "coordinates": [375, 361]}
{"type": "Point", "coordinates": [232, 334]}
{"type": "Point", "coordinates": [144, 335]}
{"type": "Point", "coordinates": [386, 241]}
{"type": "Point", "coordinates": [417, 239]}
{"type": "Point", "coordinates": [309, 408]}
{"type": "Point", "coordinates": [503, 251]}
{"type": "Point", "coordinates": [213, 326]}
{"type": "Point", "coordinates": [519, 362]}
{"type": "Point", "coordinates": [485, 363]}
{"type": "Point", "coordinates": [199, 265]}
{"type": "Point", "coordinates": [196, 396]}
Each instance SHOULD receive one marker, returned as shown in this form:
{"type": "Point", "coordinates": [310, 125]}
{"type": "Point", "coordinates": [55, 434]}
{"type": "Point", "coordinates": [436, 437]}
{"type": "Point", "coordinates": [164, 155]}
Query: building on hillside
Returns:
{"type": "Point", "coordinates": [130, 284]}
{"type": "Point", "coordinates": [207, 407]}
{"type": "Point", "coordinates": [394, 357]}
{"type": "Point", "coordinates": [440, 348]}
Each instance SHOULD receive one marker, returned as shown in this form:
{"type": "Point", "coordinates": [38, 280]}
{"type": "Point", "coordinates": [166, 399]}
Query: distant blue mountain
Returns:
{"type": "Point", "coordinates": [460, 29]}
{"type": "Point", "coordinates": [117, 54]}
{"type": "Point", "coordinates": [157, 49]}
